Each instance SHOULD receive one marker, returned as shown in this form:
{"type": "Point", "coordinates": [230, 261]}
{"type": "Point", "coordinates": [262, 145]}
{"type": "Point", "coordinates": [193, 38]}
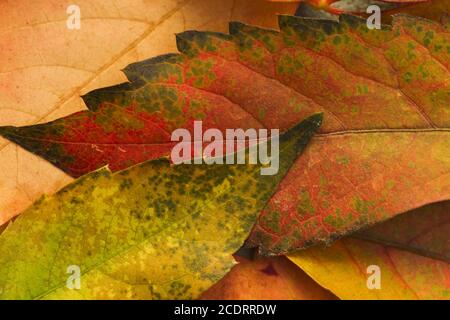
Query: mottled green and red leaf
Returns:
{"type": "Point", "coordinates": [385, 95]}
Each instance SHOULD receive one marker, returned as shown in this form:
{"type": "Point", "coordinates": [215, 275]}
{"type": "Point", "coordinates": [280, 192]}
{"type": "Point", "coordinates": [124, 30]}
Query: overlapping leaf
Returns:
{"type": "Point", "coordinates": [151, 231]}
{"type": "Point", "coordinates": [274, 278]}
{"type": "Point", "coordinates": [360, 6]}
{"type": "Point", "coordinates": [45, 66]}
{"type": "Point", "coordinates": [424, 231]}
{"type": "Point", "coordinates": [346, 267]}
{"type": "Point", "coordinates": [409, 254]}
{"type": "Point", "coordinates": [330, 9]}
{"type": "Point", "coordinates": [437, 10]}
{"type": "Point", "coordinates": [384, 94]}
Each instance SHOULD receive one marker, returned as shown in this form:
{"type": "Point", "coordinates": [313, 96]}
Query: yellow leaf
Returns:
{"type": "Point", "coordinates": [349, 269]}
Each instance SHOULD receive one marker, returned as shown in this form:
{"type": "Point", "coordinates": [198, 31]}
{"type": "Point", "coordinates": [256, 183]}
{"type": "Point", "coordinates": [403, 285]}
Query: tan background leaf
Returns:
{"type": "Point", "coordinates": [45, 67]}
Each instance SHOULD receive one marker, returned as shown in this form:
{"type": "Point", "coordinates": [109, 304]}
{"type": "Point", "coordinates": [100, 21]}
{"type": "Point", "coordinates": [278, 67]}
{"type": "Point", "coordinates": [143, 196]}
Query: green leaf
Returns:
{"type": "Point", "coordinates": [152, 231]}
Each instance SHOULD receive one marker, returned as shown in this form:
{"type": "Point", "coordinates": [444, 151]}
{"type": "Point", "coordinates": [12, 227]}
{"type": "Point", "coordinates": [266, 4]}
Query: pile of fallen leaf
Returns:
{"type": "Point", "coordinates": [364, 177]}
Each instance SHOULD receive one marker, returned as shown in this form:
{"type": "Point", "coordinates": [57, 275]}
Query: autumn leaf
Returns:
{"type": "Point", "coordinates": [410, 250]}
{"type": "Point", "coordinates": [347, 268]}
{"type": "Point", "coordinates": [360, 6]}
{"type": "Point", "coordinates": [154, 231]}
{"type": "Point", "coordinates": [433, 9]}
{"type": "Point", "coordinates": [420, 231]}
{"type": "Point", "coordinates": [45, 67]}
{"type": "Point", "coordinates": [430, 9]}
{"type": "Point", "coordinates": [349, 6]}
{"type": "Point", "coordinates": [424, 231]}
{"type": "Point", "coordinates": [274, 278]}
{"type": "Point", "coordinates": [383, 148]}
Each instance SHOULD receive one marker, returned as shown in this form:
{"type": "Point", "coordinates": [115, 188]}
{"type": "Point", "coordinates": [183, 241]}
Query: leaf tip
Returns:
{"type": "Point", "coordinates": [285, 20]}
{"type": "Point", "coordinates": [10, 133]}
{"type": "Point", "coordinates": [316, 120]}
{"type": "Point", "coordinates": [235, 27]}
{"type": "Point", "coordinates": [4, 131]}
{"type": "Point", "coordinates": [301, 133]}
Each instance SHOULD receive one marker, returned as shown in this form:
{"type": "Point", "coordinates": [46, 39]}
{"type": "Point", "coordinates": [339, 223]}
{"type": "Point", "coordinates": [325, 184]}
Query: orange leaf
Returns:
{"type": "Point", "coordinates": [266, 279]}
